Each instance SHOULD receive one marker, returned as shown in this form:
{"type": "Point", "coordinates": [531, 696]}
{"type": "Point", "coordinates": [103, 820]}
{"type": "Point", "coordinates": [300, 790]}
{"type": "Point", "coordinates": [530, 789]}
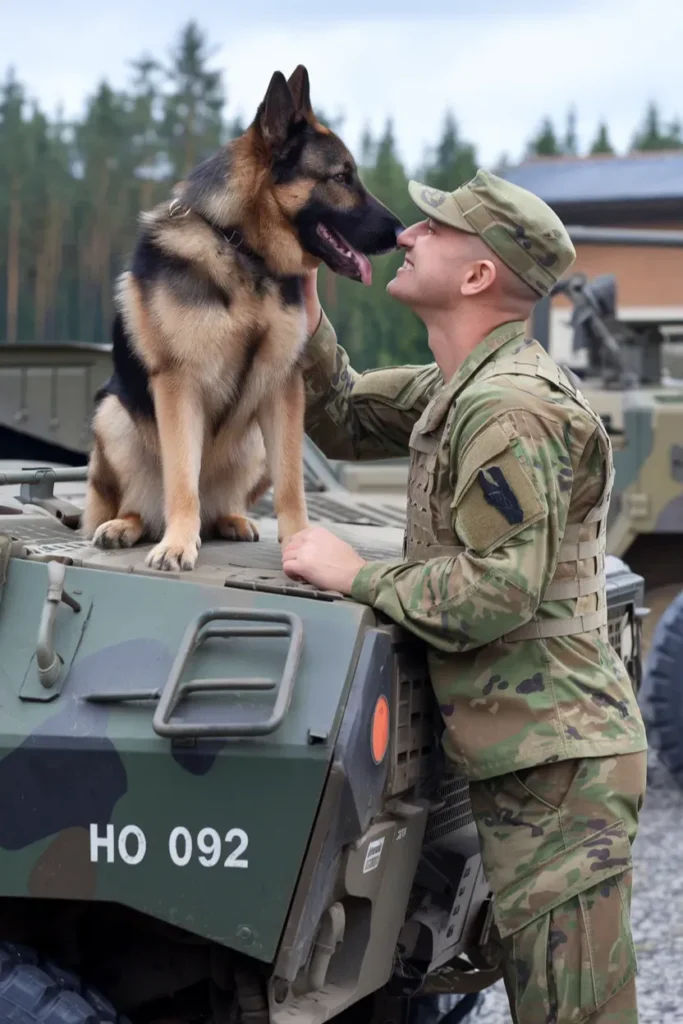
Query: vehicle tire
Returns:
{"type": "Point", "coordinates": [37, 991]}
{"type": "Point", "coordinates": [657, 599]}
{"type": "Point", "coordinates": [663, 689]}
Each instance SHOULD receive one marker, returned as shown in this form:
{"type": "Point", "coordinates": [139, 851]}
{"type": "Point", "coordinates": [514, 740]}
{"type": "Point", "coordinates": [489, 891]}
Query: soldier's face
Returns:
{"type": "Point", "coordinates": [438, 269]}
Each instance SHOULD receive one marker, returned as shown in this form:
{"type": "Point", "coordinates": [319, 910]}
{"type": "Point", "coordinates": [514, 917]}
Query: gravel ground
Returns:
{"type": "Point", "coordinates": [657, 910]}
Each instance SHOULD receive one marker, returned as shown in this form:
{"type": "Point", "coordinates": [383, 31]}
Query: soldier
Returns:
{"type": "Point", "coordinates": [503, 578]}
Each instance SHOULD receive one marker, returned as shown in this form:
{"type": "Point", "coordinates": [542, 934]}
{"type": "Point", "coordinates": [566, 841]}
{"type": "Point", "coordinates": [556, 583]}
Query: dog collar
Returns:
{"type": "Point", "coordinates": [178, 209]}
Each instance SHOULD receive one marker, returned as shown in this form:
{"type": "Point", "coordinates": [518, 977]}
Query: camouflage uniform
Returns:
{"type": "Point", "coordinates": [503, 577]}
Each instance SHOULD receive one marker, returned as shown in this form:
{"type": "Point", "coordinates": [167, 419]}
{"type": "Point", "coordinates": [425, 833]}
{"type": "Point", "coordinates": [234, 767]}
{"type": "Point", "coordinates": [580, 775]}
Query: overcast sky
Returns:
{"type": "Point", "coordinates": [500, 65]}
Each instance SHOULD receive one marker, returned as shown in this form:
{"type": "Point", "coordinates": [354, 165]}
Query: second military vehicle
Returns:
{"type": "Point", "coordinates": [642, 406]}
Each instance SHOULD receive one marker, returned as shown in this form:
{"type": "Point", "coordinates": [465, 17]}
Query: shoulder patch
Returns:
{"type": "Point", "coordinates": [499, 494]}
{"type": "Point", "coordinates": [500, 501]}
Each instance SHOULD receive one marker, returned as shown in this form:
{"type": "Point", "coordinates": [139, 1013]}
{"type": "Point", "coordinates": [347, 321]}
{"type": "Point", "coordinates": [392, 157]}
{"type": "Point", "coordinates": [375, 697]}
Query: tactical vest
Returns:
{"type": "Point", "coordinates": [429, 533]}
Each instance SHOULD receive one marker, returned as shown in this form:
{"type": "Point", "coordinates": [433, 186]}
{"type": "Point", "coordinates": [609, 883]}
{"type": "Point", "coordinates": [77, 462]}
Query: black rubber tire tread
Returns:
{"type": "Point", "coordinates": [37, 991]}
{"type": "Point", "coordinates": [664, 672]}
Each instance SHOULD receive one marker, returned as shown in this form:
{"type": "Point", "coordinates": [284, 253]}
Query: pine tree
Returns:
{"type": "Point", "coordinates": [653, 136]}
{"type": "Point", "coordinates": [453, 161]}
{"type": "Point", "coordinates": [13, 166]}
{"type": "Point", "coordinates": [602, 142]}
{"type": "Point", "coordinates": [544, 143]}
{"type": "Point", "coordinates": [192, 122]}
{"type": "Point", "coordinates": [650, 136]}
{"type": "Point", "coordinates": [570, 146]}
{"type": "Point", "coordinates": [367, 148]}
{"type": "Point", "coordinates": [673, 136]}
{"type": "Point", "coordinates": [107, 157]}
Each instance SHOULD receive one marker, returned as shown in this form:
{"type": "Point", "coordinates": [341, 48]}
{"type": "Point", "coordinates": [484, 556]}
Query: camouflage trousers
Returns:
{"type": "Point", "coordinates": [556, 846]}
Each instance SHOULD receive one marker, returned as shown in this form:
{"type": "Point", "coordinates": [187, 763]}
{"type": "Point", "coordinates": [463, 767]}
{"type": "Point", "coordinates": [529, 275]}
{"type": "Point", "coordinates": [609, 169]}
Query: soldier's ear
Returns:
{"type": "Point", "coordinates": [480, 275]}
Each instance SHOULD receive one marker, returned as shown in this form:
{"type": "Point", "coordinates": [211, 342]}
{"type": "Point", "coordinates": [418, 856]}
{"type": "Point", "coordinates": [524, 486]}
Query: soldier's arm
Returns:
{"type": "Point", "coordinates": [353, 415]}
{"type": "Point", "coordinates": [509, 507]}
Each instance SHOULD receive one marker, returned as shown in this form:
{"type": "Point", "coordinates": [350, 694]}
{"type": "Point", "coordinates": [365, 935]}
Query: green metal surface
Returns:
{"type": "Point", "coordinates": [75, 771]}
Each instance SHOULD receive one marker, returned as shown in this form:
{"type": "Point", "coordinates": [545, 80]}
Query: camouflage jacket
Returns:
{"type": "Point", "coordinates": [503, 568]}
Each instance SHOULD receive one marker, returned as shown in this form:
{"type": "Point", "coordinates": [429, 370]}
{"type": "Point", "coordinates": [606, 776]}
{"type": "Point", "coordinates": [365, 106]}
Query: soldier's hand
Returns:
{"type": "Point", "coordinates": [321, 558]}
{"type": "Point", "coordinates": [312, 302]}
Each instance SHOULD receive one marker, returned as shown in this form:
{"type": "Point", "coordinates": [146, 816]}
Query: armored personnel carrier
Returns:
{"type": "Point", "coordinates": [222, 793]}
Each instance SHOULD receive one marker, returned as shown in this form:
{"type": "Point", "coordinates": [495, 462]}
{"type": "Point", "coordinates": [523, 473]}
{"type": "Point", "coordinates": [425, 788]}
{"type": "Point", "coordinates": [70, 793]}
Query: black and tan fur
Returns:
{"type": "Point", "coordinates": [205, 407]}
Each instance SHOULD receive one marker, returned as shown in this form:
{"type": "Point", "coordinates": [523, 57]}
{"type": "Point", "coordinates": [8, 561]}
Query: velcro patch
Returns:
{"type": "Point", "coordinates": [499, 494]}
{"type": "Point", "coordinates": [500, 501]}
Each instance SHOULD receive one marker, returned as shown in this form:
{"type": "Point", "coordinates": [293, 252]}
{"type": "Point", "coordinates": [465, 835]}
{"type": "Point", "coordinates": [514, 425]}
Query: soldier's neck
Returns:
{"type": "Point", "coordinates": [452, 336]}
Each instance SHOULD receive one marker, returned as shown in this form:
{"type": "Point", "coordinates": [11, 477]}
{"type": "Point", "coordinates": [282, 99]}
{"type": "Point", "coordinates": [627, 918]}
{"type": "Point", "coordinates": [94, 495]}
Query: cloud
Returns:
{"type": "Point", "coordinates": [498, 73]}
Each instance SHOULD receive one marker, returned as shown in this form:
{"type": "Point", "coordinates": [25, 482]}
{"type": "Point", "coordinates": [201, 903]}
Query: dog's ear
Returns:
{"type": "Point", "coordinates": [300, 89]}
{"type": "Point", "coordinates": [277, 112]}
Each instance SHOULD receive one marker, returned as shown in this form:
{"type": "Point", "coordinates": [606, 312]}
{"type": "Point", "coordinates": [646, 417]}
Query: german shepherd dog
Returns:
{"type": "Point", "coordinates": [205, 406]}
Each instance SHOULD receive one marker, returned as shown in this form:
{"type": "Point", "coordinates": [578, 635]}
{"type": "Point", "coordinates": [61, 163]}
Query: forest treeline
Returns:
{"type": "Point", "coordinates": [71, 191]}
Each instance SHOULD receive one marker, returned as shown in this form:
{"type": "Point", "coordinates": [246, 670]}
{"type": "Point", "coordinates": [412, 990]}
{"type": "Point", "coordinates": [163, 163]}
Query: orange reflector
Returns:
{"type": "Point", "coordinates": [380, 730]}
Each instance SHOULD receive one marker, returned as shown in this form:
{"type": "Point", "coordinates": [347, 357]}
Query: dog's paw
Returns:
{"type": "Point", "coordinates": [118, 533]}
{"type": "Point", "coordinates": [287, 527]}
{"type": "Point", "coordinates": [237, 528]}
{"type": "Point", "coordinates": [173, 557]}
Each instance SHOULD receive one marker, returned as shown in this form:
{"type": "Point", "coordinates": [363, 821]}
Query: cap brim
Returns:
{"type": "Point", "coordinates": [439, 206]}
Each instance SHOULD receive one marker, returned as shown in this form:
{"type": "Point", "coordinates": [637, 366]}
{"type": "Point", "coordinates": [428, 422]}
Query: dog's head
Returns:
{"type": "Point", "coordinates": [315, 182]}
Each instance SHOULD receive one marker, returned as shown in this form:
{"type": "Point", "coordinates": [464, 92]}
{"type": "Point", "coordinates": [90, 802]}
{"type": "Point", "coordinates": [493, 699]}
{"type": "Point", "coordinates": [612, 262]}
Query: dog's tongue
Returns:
{"type": "Point", "coordinates": [365, 268]}
{"type": "Point", "coordinates": [364, 265]}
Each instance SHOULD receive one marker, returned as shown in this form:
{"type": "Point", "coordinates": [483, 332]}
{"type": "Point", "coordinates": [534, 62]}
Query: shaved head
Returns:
{"type": "Point", "coordinates": [446, 270]}
{"type": "Point", "coordinates": [508, 290]}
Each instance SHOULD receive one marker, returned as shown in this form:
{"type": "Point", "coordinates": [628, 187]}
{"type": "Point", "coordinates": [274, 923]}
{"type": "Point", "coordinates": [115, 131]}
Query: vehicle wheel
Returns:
{"type": "Point", "coordinates": [663, 688]}
{"type": "Point", "coordinates": [657, 599]}
{"type": "Point", "coordinates": [36, 991]}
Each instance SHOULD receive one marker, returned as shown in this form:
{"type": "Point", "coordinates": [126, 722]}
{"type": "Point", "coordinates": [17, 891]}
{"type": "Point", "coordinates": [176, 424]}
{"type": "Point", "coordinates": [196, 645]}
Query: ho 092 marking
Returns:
{"type": "Point", "coordinates": [183, 848]}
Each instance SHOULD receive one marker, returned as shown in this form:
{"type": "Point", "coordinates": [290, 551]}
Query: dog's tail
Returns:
{"type": "Point", "coordinates": [259, 489]}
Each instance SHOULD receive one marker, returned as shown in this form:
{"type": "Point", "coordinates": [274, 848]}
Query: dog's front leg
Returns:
{"type": "Point", "coordinates": [281, 420]}
{"type": "Point", "coordinates": [180, 424]}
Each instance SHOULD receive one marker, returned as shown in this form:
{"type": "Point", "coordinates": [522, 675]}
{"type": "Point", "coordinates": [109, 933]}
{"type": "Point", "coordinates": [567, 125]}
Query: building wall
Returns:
{"type": "Point", "coordinates": [649, 285]}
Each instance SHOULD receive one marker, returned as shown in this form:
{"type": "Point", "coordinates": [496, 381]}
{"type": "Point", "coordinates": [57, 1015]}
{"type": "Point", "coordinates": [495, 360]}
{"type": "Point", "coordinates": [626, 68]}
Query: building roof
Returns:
{"type": "Point", "coordinates": [637, 177]}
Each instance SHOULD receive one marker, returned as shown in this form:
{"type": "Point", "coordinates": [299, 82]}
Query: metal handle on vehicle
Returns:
{"type": "Point", "coordinates": [48, 662]}
{"type": "Point", "coordinates": [173, 691]}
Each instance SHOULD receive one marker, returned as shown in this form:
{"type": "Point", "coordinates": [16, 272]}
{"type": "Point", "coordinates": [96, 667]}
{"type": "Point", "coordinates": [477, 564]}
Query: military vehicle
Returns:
{"type": "Point", "coordinates": [643, 411]}
{"type": "Point", "coordinates": [222, 793]}
{"type": "Point", "coordinates": [642, 406]}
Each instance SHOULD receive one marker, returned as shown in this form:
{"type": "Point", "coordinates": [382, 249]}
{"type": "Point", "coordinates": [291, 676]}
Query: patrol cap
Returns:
{"type": "Point", "coordinates": [517, 225]}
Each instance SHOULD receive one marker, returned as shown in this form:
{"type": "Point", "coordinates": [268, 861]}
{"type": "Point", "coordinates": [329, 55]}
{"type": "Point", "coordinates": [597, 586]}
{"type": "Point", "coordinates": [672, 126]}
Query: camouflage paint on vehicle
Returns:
{"type": "Point", "coordinates": [646, 430]}
{"type": "Point", "coordinates": [112, 813]}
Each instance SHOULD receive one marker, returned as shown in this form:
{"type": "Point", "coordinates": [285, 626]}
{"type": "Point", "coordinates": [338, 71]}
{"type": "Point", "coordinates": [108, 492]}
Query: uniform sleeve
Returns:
{"type": "Point", "coordinates": [511, 476]}
{"type": "Point", "coordinates": [352, 415]}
